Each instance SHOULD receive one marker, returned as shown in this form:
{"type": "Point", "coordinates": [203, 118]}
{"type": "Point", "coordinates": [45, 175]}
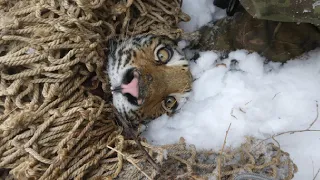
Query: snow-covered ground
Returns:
{"type": "Point", "coordinates": [201, 12]}
{"type": "Point", "coordinates": [258, 99]}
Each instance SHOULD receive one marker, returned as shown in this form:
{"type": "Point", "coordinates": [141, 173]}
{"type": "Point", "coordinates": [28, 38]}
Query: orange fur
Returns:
{"type": "Point", "coordinates": [159, 81]}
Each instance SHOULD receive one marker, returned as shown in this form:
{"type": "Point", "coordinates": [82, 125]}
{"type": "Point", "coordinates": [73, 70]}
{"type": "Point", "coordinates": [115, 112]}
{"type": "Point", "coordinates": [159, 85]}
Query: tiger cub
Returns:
{"type": "Point", "coordinates": [148, 76]}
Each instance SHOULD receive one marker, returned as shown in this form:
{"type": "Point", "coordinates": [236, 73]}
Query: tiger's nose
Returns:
{"type": "Point", "coordinates": [132, 87]}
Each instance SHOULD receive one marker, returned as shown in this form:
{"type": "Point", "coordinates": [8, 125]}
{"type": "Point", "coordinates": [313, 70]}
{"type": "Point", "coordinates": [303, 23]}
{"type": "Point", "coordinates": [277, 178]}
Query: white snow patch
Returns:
{"type": "Point", "coordinates": [306, 10]}
{"type": "Point", "coordinates": [207, 60]}
{"type": "Point", "coordinates": [316, 4]}
{"type": "Point", "coordinates": [258, 99]}
{"type": "Point", "coordinates": [201, 13]}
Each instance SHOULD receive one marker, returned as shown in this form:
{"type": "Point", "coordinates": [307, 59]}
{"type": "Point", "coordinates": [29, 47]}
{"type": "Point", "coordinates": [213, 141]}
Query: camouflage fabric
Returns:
{"type": "Point", "coordinates": [307, 11]}
{"type": "Point", "coordinates": [277, 41]}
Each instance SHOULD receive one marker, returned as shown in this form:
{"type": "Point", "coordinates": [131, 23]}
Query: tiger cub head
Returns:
{"type": "Point", "coordinates": [148, 77]}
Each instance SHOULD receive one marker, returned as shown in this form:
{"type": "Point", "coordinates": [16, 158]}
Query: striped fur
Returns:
{"type": "Point", "coordinates": [157, 80]}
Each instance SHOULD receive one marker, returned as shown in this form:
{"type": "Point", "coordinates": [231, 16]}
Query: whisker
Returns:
{"type": "Point", "coordinates": [117, 89]}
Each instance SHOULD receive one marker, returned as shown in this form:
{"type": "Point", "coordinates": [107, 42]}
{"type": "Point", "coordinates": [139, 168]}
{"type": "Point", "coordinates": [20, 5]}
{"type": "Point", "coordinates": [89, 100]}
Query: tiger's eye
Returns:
{"type": "Point", "coordinates": [164, 55]}
{"type": "Point", "coordinates": [170, 103]}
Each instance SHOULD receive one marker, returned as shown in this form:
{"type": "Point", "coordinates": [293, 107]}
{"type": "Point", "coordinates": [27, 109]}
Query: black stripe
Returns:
{"type": "Point", "coordinates": [129, 56]}
{"type": "Point", "coordinates": [123, 53]}
{"type": "Point", "coordinates": [137, 38]}
{"type": "Point", "coordinates": [113, 56]}
{"type": "Point", "coordinates": [125, 113]}
{"type": "Point", "coordinates": [135, 114]}
{"type": "Point", "coordinates": [136, 44]}
{"type": "Point", "coordinates": [126, 116]}
{"type": "Point", "coordinates": [120, 54]}
{"type": "Point", "coordinates": [134, 53]}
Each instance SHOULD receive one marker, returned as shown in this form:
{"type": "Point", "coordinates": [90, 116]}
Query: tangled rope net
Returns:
{"type": "Point", "coordinates": [51, 124]}
{"type": "Point", "coordinates": [178, 161]}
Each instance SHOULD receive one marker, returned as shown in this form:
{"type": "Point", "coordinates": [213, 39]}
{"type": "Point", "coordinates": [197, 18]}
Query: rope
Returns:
{"type": "Point", "coordinates": [251, 176]}
{"type": "Point", "coordinates": [254, 159]}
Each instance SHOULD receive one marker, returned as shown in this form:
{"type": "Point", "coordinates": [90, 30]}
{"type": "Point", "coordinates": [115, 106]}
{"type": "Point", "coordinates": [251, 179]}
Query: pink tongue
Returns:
{"type": "Point", "coordinates": [131, 88]}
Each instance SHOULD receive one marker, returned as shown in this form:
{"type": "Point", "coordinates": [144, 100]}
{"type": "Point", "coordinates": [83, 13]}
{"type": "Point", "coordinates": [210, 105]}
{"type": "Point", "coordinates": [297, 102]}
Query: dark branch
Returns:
{"type": "Point", "coordinates": [130, 132]}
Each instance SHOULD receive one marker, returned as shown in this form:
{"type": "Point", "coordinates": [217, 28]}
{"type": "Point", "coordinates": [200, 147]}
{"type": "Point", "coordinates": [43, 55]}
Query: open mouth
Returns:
{"type": "Point", "coordinates": [131, 87]}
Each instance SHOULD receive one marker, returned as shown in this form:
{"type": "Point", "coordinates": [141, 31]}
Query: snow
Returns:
{"type": "Point", "coordinates": [201, 13]}
{"type": "Point", "coordinates": [258, 99]}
